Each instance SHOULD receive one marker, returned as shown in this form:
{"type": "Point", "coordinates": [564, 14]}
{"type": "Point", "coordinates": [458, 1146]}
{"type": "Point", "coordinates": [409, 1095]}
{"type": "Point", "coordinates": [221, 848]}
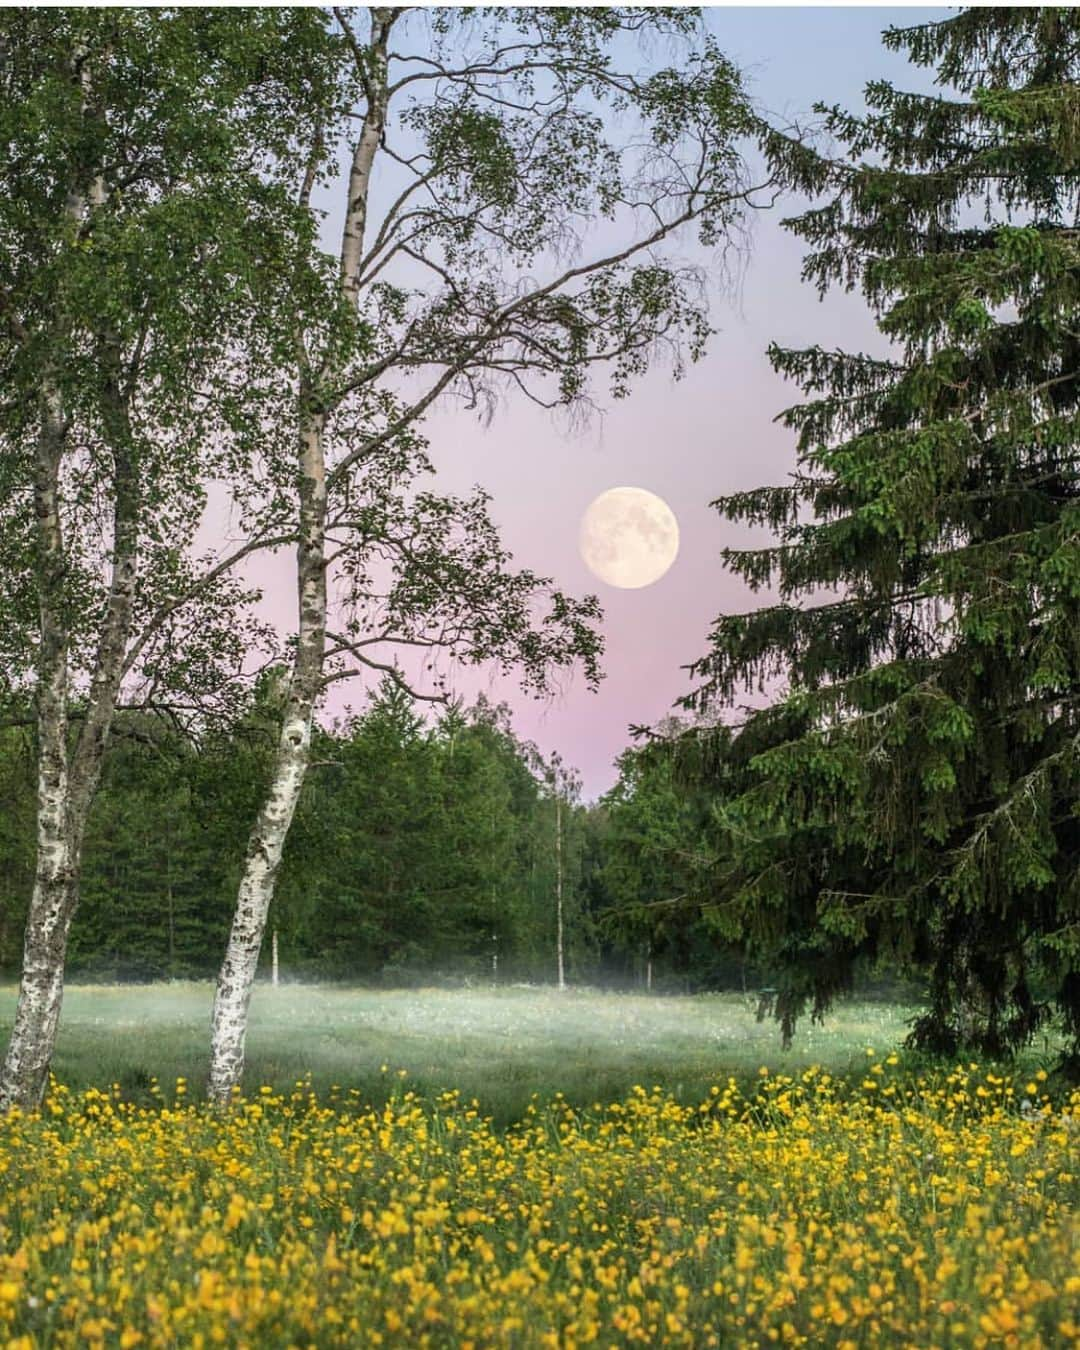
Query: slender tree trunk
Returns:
{"type": "Point", "coordinates": [64, 797]}
{"type": "Point", "coordinates": [267, 840]}
{"type": "Point", "coordinates": [26, 1066]}
{"type": "Point", "coordinates": [170, 901]}
{"type": "Point", "coordinates": [65, 787]}
{"type": "Point", "coordinates": [263, 858]}
{"type": "Point", "coordinates": [274, 959]}
{"type": "Point", "coordinates": [558, 894]}
{"type": "Point", "coordinates": [61, 805]}
{"type": "Point", "coordinates": [494, 942]}
{"type": "Point", "coordinates": [170, 898]}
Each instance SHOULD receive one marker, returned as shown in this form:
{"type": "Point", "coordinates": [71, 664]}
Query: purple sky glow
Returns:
{"type": "Point", "coordinates": [689, 442]}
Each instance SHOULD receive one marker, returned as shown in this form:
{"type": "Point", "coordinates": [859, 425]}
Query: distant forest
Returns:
{"type": "Point", "coordinates": [422, 848]}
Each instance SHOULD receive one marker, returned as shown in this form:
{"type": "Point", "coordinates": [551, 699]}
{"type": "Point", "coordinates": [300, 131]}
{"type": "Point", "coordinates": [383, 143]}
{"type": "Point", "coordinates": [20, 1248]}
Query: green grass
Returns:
{"type": "Point", "coordinates": [498, 1046]}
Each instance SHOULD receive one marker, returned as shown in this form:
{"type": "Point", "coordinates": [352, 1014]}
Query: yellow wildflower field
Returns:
{"type": "Point", "coordinates": [887, 1211]}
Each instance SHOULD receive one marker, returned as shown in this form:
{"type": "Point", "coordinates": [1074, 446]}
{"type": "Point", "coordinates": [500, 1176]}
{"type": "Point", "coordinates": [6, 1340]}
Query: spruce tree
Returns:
{"type": "Point", "coordinates": [913, 793]}
{"type": "Point", "coordinates": [649, 851]}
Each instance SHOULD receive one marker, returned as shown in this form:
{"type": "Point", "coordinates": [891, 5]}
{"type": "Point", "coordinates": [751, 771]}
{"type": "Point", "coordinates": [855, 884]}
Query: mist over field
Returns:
{"type": "Point", "coordinates": [499, 1045]}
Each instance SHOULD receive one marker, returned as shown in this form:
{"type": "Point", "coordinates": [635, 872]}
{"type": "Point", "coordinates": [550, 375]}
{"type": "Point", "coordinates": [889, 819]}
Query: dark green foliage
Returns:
{"type": "Point", "coordinates": [165, 845]}
{"type": "Point", "coordinates": [419, 848]}
{"type": "Point", "coordinates": [913, 796]}
{"type": "Point", "coordinates": [651, 835]}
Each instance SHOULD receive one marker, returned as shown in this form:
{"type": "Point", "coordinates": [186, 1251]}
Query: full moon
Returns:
{"type": "Point", "coordinates": [629, 537]}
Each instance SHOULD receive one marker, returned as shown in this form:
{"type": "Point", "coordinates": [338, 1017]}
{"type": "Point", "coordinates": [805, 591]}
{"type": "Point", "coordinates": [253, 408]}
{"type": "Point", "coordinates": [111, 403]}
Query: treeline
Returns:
{"type": "Point", "coordinates": [422, 848]}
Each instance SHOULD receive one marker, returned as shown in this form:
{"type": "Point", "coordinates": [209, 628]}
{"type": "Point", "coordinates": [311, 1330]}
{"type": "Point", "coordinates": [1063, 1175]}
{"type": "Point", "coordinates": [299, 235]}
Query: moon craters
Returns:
{"type": "Point", "coordinates": [629, 537]}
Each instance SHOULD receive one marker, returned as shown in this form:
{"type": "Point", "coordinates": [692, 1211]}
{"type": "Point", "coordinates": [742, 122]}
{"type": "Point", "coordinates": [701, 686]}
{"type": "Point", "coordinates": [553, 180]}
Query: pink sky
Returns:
{"type": "Point", "coordinates": [689, 442]}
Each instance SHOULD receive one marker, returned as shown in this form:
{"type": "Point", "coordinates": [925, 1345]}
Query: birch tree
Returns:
{"type": "Point", "coordinates": [482, 150]}
{"type": "Point", "coordinates": [136, 214]}
{"type": "Point", "coordinates": [564, 787]}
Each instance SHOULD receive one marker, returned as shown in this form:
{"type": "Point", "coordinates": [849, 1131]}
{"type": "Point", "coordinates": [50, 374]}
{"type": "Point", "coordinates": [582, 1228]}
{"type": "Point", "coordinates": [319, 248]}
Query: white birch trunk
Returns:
{"type": "Point", "coordinates": [363, 159]}
{"type": "Point", "coordinates": [65, 790]}
{"type": "Point", "coordinates": [64, 797]}
{"type": "Point", "coordinates": [558, 894]}
{"type": "Point", "coordinates": [267, 840]}
{"type": "Point", "coordinates": [274, 959]}
{"type": "Point", "coordinates": [25, 1071]}
{"type": "Point", "coordinates": [233, 995]}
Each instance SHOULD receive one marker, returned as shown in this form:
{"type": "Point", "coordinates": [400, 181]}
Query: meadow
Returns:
{"type": "Point", "coordinates": [499, 1168]}
{"type": "Point", "coordinates": [498, 1045]}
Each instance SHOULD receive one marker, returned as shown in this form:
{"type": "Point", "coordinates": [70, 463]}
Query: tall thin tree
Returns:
{"type": "Point", "coordinates": [134, 209]}
{"type": "Point", "coordinates": [487, 141]}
